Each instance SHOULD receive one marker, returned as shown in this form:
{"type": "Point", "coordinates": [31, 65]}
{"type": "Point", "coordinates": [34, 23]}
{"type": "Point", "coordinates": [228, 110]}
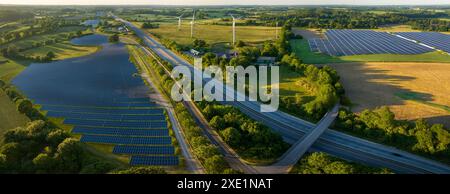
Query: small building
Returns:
{"type": "Point", "coordinates": [267, 61]}
{"type": "Point", "coordinates": [195, 52]}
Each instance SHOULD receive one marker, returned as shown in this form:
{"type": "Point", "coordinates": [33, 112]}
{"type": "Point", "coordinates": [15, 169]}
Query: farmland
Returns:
{"type": "Point", "coordinates": [9, 116]}
{"type": "Point", "coordinates": [214, 34]}
{"type": "Point", "coordinates": [62, 50]}
{"type": "Point", "coordinates": [404, 87]}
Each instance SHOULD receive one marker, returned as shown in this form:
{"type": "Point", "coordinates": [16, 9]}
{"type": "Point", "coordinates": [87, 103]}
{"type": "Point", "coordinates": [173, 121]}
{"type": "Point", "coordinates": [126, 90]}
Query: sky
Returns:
{"type": "Point", "coordinates": [226, 2]}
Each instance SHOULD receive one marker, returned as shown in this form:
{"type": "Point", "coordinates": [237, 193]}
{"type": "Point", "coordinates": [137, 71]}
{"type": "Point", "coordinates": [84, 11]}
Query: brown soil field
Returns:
{"type": "Point", "coordinates": [374, 84]}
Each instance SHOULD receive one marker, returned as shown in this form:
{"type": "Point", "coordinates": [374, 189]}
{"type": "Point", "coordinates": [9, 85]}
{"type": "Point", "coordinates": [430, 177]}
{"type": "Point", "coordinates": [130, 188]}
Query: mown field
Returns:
{"type": "Point", "coordinates": [9, 116]}
{"type": "Point", "coordinates": [62, 50]}
{"type": "Point", "coordinates": [301, 48]}
{"type": "Point", "coordinates": [60, 34]}
{"type": "Point", "coordinates": [411, 90]}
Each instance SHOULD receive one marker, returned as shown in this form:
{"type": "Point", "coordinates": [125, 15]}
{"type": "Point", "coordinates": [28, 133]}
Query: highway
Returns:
{"type": "Point", "coordinates": [291, 157]}
{"type": "Point", "coordinates": [333, 142]}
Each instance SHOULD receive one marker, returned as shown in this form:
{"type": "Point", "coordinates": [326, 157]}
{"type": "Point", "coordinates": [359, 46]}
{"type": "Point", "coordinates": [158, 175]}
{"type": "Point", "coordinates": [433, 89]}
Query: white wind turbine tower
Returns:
{"type": "Point", "coordinates": [234, 29]}
{"type": "Point", "coordinates": [276, 30]}
{"type": "Point", "coordinates": [179, 22]}
{"type": "Point", "coordinates": [192, 24]}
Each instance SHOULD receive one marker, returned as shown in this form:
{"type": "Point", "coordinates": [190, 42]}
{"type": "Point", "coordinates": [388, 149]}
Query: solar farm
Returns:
{"type": "Point", "coordinates": [362, 42]}
{"type": "Point", "coordinates": [134, 126]}
{"type": "Point", "coordinates": [434, 39]}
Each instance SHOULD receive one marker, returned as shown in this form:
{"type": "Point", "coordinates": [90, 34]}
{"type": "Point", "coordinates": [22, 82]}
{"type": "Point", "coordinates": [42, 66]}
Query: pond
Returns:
{"type": "Point", "coordinates": [99, 78]}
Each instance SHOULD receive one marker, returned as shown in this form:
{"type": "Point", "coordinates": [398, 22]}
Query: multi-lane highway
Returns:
{"type": "Point", "coordinates": [332, 142]}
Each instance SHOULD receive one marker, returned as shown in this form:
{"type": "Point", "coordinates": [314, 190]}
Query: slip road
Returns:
{"type": "Point", "coordinates": [225, 184]}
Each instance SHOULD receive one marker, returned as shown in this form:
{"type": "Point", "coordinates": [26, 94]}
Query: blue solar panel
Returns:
{"type": "Point", "coordinates": [126, 140]}
{"type": "Point", "coordinates": [144, 150]}
{"type": "Point", "coordinates": [154, 160]}
{"type": "Point", "coordinates": [104, 111]}
{"type": "Point", "coordinates": [358, 42]}
{"type": "Point", "coordinates": [132, 100]}
{"type": "Point", "coordinates": [113, 117]}
{"type": "Point", "coordinates": [100, 123]}
{"type": "Point", "coordinates": [434, 39]}
{"type": "Point", "coordinates": [121, 132]}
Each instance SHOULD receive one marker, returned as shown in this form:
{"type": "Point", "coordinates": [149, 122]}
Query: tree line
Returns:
{"type": "Point", "coordinates": [357, 19]}
{"type": "Point", "coordinates": [249, 138]}
{"type": "Point", "coordinates": [380, 125]}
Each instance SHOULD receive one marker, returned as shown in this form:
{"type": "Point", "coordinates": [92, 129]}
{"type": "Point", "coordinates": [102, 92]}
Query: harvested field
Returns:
{"type": "Point", "coordinates": [411, 90]}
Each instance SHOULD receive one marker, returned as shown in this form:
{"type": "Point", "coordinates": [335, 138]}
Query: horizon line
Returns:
{"type": "Point", "coordinates": [146, 4]}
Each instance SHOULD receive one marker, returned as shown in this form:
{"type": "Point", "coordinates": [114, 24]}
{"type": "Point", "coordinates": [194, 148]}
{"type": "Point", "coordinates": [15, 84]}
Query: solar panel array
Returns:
{"type": "Point", "coordinates": [359, 42]}
{"type": "Point", "coordinates": [134, 126]}
{"type": "Point", "coordinates": [154, 160]}
{"type": "Point", "coordinates": [434, 39]}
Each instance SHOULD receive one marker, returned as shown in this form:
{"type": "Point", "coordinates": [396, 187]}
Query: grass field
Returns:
{"type": "Point", "coordinates": [62, 50]}
{"type": "Point", "coordinates": [9, 68]}
{"type": "Point", "coordinates": [301, 48]}
{"type": "Point", "coordinates": [411, 90]}
{"type": "Point", "coordinates": [213, 34]}
{"type": "Point", "coordinates": [9, 116]}
{"type": "Point", "coordinates": [60, 34]}
{"type": "Point", "coordinates": [396, 28]}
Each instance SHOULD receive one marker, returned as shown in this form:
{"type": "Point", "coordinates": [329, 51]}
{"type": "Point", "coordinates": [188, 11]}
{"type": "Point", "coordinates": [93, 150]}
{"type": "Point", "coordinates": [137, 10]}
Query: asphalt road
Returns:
{"type": "Point", "coordinates": [333, 142]}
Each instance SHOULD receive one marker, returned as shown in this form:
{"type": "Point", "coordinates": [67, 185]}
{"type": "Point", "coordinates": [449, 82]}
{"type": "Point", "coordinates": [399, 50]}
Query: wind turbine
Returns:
{"type": "Point", "coordinates": [276, 30]}
{"type": "Point", "coordinates": [179, 22]}
{"type": "Point", "coordinates": [234, 28]}
{"type": "Point", "coordinates": [192, 24]}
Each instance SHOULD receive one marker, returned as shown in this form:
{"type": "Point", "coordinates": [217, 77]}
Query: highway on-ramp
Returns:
{"type": "Point", "coordinates": [333, 142]}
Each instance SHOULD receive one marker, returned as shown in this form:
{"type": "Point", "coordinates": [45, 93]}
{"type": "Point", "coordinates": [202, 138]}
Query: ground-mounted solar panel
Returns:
{"type": "Point", "coordinates": [360, 42]}
{"type": "Point", "coordinates": [154, 160]}
{"type": "Point", "coordinates": [433, 39]}
{"type": "Point", "coordinates": [132, 100]}
{"type": "Point", "coordinates": [126, 124]}
{"type": "Point", "coordinates": [145, 111]}
{"type": "Point", "coordinates": [126, 140]}
{"type": "Point", "coordinates": [121, 131]}
{"type": "Point", "coordinates": [112, 117]}
{"type": "Point", "coordinates": [144, 150]}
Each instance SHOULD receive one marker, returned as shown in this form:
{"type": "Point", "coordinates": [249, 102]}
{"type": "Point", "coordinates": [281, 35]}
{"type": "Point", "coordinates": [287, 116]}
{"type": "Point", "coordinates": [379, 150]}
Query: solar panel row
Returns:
{"type": "Point", "coordinates": [126, 140]}
{"type": "Point", "coordinates": [158, 117]}
{"type": "Point", "coordinates": [434, 39]}
{"type": "Point", "coordinates": [131, 100]}
{"type": "Point", "coordinates": [144, 150]}
{"type": "Point", "coordinates": [104, 111]}
{"type": "Point", "coordinates": [358, 42]}
{"type": "Point", "coordinates": [154, 160]}
{"type": "Point", "coordinates": [111, 105]}
{"type": "Point", "coordinates": [100, 123]}
{"type": "Point", "coordinates": [121, 132]}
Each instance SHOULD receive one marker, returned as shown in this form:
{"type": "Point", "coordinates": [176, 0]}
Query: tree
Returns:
{"type": "Point", "coordinates": [198, 44]}
{"type": "Point", "coordinates": [2, 84]}
{"type": "Point", "coordinates": [231, 136]}
{"type": "Point", "coordinates": [114, 38]}
{"type": "Point", "coordinates": [24, 106]}
{"type": "Point", "coordinates": [70, 155]}
{"type": "Point", "coordinates": [215, 164]}
{"type": "Point", "coordinates": [217, 123]}
{"type": "Point", "coordinates": [50, 55]}
{"type": "Point", "coordinates": [44, 163]}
